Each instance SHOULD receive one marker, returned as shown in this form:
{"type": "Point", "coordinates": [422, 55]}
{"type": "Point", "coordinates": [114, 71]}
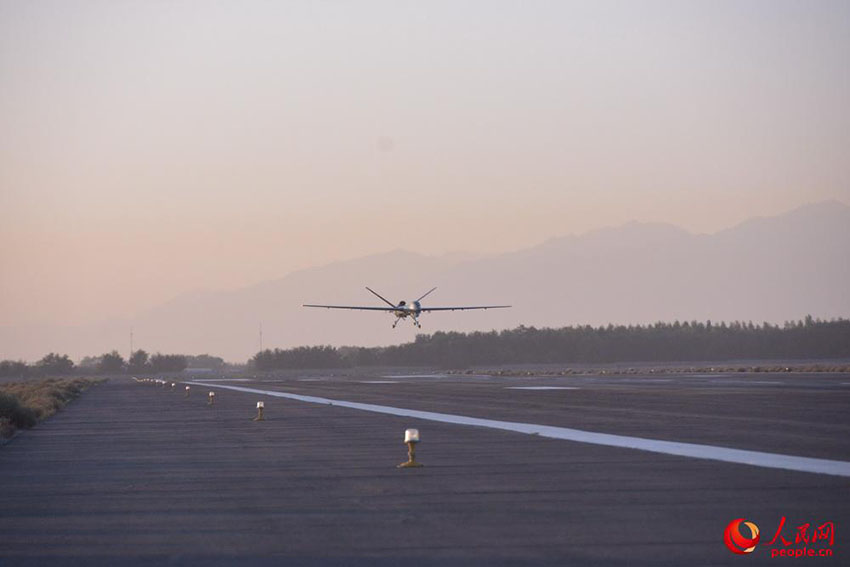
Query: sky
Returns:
{"type": "Point", "coordinates": [148, 149]}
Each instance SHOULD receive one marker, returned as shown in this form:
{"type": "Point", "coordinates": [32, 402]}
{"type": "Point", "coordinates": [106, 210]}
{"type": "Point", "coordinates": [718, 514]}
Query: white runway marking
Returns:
{"type": "Point", "coordinates": [693, 450]}
{"type": "Point", "coordinates": [417, 376]}
{"type": "Point", "coordinates": [379, 382]}
{"type": "Point", "coordinates": [541, 388]}
{"type": "Point", "coordinates": [745, 382]}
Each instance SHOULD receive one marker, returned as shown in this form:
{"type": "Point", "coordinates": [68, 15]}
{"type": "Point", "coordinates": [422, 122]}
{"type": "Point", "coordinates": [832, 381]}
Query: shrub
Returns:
{"type": "Point", "coordinates": [15, 414]}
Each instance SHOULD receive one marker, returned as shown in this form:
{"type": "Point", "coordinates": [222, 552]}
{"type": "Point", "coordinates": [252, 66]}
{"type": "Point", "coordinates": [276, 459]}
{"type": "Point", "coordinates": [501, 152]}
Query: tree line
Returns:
{"type": "Point", "coordinates": [659, 342]}
{"type": "Point", "coordinates": [140, 362]}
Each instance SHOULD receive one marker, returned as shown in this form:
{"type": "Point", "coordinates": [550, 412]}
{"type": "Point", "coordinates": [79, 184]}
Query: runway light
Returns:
{"type": "Point", "coordinates": [260, 407]}
{"type": "Point", "coordinates": [173, 386]}
{"type": "Point", "coordinates": [187, 391]}
{"type": "Point", "coordinates": [212, 399]}
{"type": "Point", "coordinates": [411, 438]}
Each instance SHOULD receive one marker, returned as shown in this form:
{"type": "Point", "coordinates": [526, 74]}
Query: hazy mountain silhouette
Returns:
{"type": "Point", "coordinates": [765, 269]}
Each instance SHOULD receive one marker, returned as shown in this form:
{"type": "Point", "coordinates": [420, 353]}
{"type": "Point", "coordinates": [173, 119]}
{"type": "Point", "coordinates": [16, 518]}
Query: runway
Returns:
{"type": "Point", "coordinates": [142, 474]}
{"type": "Point", "coordinates": [755, 458]}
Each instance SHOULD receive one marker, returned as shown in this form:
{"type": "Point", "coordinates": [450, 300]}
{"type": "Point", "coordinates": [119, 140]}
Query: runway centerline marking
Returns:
{"type": "Point", "coordinates": [541, 388]}
{"type": "Point", "coordinates": [416, 376]}
{"type": "Point", "coordinates": [692, 450]}
{"type": "Point", "coordinates": [746, 382]}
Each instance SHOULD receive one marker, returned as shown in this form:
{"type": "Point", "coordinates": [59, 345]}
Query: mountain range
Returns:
{"type": "Point", "coordinates": [765, 269]}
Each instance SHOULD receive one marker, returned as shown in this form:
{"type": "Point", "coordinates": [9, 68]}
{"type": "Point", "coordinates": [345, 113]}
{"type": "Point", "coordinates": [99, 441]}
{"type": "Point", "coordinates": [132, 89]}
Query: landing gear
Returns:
{"type": "Point", "coordinates": [416, 322]}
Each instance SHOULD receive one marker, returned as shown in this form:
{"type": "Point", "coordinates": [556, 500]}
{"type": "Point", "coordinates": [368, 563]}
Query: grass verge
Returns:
{"type": "Point", "coordinates": [23, 404]}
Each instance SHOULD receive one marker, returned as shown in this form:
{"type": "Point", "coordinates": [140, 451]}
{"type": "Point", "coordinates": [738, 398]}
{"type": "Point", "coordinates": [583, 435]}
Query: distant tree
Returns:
{"type": "Point", "coordinates": [13, 369]}
{"type": "Point", "coordinates": [55, 364]}
{"type": "Point", "coordinates": [89, 363]}
{"type": "Point", "coordinates": [659, 342]}
{"type": "Point", "coordinates": [299, 357]}
{"type": "Point", "coordinates": [358, 356]}
{"type": "Point", "coordinates": [110, 363]}
{"type": "Point", "coordinates": [168, 363]}
{"type": "Point", "coordinates": [205, 361]}
{"type": "Point", "coordinates": [138, 363]}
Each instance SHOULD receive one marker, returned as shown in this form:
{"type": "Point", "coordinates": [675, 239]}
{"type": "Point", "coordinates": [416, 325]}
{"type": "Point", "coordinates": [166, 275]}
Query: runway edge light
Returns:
{"type": "Point", "coordinates": [211, 402]}
{"type": "Point", "coordinates": [260, 407]}
{"type": "Point", "coordinates": [411, 438]}
{"type": "Point", "coordinates": [187, 391]}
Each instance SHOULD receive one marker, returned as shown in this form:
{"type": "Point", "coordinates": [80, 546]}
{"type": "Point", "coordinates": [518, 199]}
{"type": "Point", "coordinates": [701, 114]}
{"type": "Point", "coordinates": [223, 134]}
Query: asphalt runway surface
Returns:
{"type": "Point", "coordinates": [136, 474]}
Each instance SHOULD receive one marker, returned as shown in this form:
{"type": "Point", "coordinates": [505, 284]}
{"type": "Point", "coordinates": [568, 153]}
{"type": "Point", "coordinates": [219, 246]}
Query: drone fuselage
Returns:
{"type": "Point", "coordinates": [406, 309]}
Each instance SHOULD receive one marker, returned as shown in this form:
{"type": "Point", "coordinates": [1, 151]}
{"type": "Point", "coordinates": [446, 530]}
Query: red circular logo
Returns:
{"type": "Point", "coordinates": [736, 541]}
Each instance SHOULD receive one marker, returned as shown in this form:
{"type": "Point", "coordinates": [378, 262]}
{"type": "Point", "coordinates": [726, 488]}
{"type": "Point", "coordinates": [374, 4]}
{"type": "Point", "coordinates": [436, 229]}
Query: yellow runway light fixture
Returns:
{"type": "Point", "coordinates": [411, 438]}
{"type": "Point", "coordinates": [260, 407]}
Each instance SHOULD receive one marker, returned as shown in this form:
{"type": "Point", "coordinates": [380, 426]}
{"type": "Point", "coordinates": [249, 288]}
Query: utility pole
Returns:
{"type": "Point", "coordinates": [131, 343]}
{"type": "Point", "coordinates": [261, 336]}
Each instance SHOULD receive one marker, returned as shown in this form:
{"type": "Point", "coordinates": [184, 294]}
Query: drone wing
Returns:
{"type": "Point", "coordinates": [352, 307]}
{"type": "Point", "coordinates": [463, 308]}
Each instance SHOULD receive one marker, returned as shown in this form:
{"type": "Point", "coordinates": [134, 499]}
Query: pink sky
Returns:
{"type": "Point", "coordinates": [149, 149]}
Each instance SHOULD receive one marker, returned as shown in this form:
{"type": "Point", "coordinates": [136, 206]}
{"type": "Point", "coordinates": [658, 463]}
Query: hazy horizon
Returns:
{"type": "Point", "coordinates": [767, 269]}
{"type": "Point", "coordinates": [155, 149]}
